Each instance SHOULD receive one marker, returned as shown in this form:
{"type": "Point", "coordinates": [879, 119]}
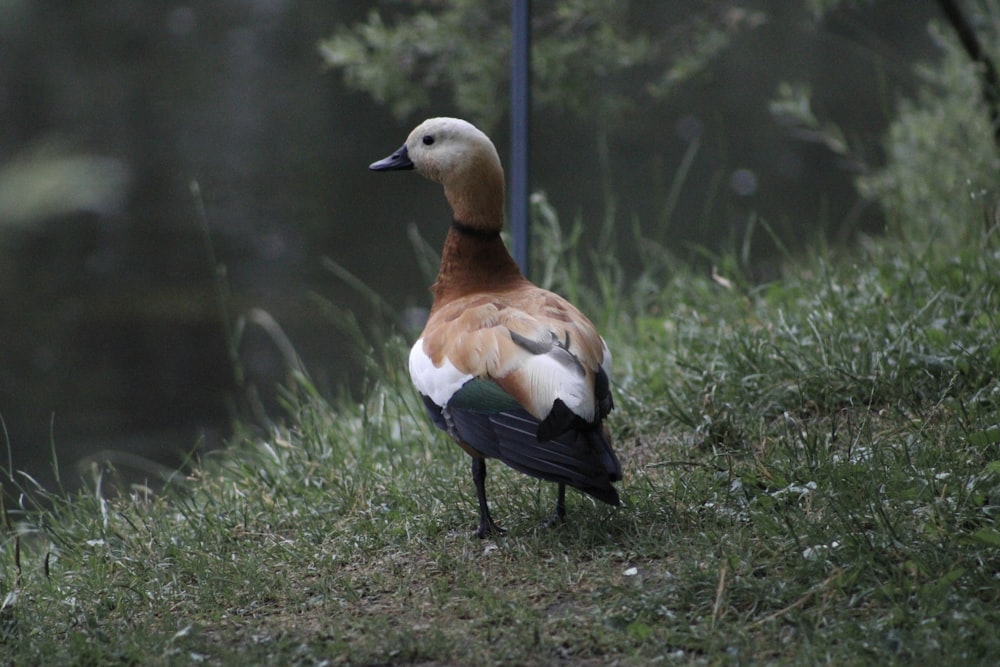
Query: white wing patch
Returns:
{"type": "Point", "coordinates": [549, 378]}
{"type": "Point", "coordinates": [437, 383]}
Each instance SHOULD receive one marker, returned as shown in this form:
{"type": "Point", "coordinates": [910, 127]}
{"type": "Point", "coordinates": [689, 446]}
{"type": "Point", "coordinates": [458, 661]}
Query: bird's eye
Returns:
{"type": "Point", "coordinates": [428, 140]}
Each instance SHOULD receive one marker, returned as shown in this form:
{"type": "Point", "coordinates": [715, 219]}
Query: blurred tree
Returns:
{"type": "Point", "coordinates": [989, 79]}
{"type": "Point", "coordinates": [597, 60]}
{"type": "Point", "coordinates": [940, 163]}
{"type": "Point", "coordinates": [583, 53]}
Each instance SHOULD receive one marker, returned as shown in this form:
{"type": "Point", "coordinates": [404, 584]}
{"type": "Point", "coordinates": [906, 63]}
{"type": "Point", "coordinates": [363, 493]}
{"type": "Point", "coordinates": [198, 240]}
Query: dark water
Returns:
{"type": "Point", "coordinates": [112, 342]}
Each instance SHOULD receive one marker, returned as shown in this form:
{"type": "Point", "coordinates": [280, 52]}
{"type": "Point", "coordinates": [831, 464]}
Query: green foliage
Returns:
{"type": "Point", "coordinates": [402, 65]}
{"type": "Point", "coordinates": [792, 105]}
{"type": "Point", "coordinates": [942, 164]}
{"type": "Point", "coordinates": [589, 57]}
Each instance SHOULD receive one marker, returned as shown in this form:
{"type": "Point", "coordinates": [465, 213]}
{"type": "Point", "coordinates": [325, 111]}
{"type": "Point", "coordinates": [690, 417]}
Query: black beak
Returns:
{"type": "Point", "coordinates": [398, 160]}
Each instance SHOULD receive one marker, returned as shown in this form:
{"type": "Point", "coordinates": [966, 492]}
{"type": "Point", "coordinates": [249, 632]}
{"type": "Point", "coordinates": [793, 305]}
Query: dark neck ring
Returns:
{"type": "Point", "coordinates": [475, 232]}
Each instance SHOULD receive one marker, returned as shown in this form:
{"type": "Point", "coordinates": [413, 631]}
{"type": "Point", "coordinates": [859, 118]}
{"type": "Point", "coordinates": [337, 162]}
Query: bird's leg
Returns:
{"type": "Point", "coordinates": [559, 516]}
{"type": "Point", "coordinates": [486, 526]}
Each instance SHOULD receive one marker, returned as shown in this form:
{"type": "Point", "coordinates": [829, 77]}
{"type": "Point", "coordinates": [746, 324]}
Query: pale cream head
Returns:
{"type": "Point", "coordinates": [446, 149]}
{"type": "Point", "coordinates": [456, 154]}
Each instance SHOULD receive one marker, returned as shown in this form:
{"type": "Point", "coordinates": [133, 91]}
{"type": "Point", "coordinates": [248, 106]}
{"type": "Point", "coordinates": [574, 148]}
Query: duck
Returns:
{"type": "Point", "coordinates": [511, 371]}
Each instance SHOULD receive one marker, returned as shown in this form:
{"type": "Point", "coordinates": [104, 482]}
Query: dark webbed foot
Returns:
{"type": "Point", "coordinates": [488, 528]}
{"type": "Point", "coordinates": [559, 515]}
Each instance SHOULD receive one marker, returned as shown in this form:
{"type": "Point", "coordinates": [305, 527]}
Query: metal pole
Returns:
{"type": "Point", "coordinates": [520, 111]}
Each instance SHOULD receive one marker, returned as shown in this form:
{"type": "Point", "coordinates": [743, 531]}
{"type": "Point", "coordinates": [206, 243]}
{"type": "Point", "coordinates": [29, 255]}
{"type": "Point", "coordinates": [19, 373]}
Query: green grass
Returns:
{"type": "Point", "coordinates": [812, 475]}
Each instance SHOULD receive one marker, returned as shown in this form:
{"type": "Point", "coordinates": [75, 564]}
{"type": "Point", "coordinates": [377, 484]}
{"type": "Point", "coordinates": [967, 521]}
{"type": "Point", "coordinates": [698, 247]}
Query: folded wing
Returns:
{"type": "Point", "coordinates": [528, 389]}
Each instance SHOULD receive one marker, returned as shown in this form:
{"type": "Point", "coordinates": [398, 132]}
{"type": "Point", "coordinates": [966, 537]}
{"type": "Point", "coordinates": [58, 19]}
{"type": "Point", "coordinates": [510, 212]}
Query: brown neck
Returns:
{"type": "Point", "coordinates": [473, 260]}
{"type": "Point", "coordinates": [476, 198]}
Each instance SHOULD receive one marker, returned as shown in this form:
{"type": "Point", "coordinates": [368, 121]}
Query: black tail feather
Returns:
{"type": "Point", "coordinates": [579, 457]}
